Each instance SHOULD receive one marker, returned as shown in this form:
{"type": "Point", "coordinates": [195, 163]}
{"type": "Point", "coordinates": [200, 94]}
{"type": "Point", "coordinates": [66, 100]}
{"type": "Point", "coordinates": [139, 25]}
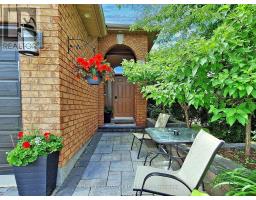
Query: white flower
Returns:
{"type": "Point", "coordinates": [37, 140]}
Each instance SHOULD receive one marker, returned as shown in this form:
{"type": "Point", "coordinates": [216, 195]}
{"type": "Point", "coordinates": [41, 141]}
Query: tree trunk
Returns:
{"type": "Point", "coordinates": [163, 109]}
{"type": "Point", "coordinates": [248, 130]}
{"type": "Point", "coordinates": [185, 109]}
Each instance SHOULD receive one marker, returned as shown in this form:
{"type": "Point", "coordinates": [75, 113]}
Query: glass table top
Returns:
{"type": "Point", "coordinates": [172, 135]}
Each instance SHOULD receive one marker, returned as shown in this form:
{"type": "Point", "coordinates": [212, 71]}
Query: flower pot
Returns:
{"type": "Point", "coordinates": [91, 81]}
{"type": "Point", "coordinates": [38, 178]}
{"type": "Point", "coordinates": [107, 117]}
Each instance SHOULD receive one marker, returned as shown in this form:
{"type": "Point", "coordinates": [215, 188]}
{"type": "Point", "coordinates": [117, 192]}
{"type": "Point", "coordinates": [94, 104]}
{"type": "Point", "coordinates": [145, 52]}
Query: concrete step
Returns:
{"type": "Point", "coordinates": [7, 181]}
{"type": "Point", "coordinates": [122, 120]}
{"type": "Point", "coordinates": [120, 128]}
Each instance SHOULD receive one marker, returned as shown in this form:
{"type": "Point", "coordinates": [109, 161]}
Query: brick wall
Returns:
{"type": "Point", "coordinates": [101, 105]}
{"type": "Point", "coordinates": [51, 96]}
{"type": "Point", "coordinates": [139, 44]}
{"type": "Point", "coordinates": [80, 103]}
{"type": "Point", "coordinates": [40, 76]}
{"type": "Point", "coordinates": [140, 108]}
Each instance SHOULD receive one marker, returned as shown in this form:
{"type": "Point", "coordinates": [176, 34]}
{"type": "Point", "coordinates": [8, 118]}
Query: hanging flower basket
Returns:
{"type": "Point", "coordinates": [96, 80]}
{"type": "Point", "coordinates": [94, 70]}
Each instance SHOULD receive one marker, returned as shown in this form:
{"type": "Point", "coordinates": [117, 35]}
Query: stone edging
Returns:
{"type": "Point", "coordinates": [72, 180]}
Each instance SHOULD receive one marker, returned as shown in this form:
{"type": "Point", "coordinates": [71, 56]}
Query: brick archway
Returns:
{"type": "Point", "coordinates": [138, 43]}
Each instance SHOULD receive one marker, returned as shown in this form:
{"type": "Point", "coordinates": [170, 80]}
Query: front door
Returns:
{"type": "Point", "coordinates": [123, 97]}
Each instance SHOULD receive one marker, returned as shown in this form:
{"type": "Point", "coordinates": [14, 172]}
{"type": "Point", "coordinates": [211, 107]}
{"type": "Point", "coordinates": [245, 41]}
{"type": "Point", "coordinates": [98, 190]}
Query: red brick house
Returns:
{"type": "Point", "coordinates": [42, 90]}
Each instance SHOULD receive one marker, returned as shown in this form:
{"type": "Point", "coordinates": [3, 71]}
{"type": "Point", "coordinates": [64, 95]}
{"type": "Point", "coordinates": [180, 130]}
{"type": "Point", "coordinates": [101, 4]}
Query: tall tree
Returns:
{"type": "Point", "coordinates": [213, 65]}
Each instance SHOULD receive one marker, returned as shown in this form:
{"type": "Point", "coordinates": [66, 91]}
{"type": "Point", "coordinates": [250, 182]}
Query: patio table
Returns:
{"type": "Point", "coordinates": [171, 137]}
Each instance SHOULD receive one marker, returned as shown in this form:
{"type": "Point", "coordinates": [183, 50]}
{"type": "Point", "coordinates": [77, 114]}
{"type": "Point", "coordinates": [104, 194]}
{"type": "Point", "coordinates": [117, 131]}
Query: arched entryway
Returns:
{"type": "Point", "coordinates": [119, 94]}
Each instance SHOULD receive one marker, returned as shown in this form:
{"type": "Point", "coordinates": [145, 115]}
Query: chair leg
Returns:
{"type": "Point", "coordinates": [132, 142]}
{"type": "Point", "coordinates": [146, 158]}
{"type": "Point", "coordinates": [203, 186]}
{"type": "Point", "coordinates": [138, 156]}
{"type": "Point", "coordinates": [150, 162]}
{"type": "Point", "coordinates": [170, 162]}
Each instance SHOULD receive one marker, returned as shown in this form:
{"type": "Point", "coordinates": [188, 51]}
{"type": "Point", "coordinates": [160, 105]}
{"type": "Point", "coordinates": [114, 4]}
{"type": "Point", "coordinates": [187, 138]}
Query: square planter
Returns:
{"type": "Point", "coordinates": [38, 178]}
{"type": "Point", "coordinates": [107, 117]}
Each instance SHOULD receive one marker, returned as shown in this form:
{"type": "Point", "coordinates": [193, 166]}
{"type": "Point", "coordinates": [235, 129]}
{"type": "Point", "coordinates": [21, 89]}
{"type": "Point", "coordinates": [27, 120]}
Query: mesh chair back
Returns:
{"type": "Point", "coordinates": [199, 158]}
{"type": "Point", "coordinates": [162, 120]}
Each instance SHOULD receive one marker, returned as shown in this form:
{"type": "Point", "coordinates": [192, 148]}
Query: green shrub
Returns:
{"type": "Point", "coordinates": [155, 110]}
{"type": "Point", "coordinates": [230, 134]}
{"type": "Point", "coordinates": [241, 182]}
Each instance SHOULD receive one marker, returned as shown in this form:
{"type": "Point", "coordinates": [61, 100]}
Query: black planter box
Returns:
{"type": "Point", "coordinates": [107, 117]}
{"type": "Point", "coordinates": [38, 178]}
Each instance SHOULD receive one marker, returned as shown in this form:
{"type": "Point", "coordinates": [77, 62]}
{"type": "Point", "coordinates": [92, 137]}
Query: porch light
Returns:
{"type": "Point", "coordinates": [27, 38]}
{"type": "Point", "coordinates": [120, 38]}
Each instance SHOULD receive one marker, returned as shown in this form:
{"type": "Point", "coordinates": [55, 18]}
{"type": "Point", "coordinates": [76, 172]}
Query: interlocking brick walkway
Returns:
{"type": "Point", "coordinates": [106, 168]}
{"type": "Point", "coordinates": [112, 166]}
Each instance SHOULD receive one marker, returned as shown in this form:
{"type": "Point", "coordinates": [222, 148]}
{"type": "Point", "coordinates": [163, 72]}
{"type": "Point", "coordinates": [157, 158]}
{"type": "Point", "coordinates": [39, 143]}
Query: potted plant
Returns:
{"type": "Point", "coordinates": [94, 70]}
{"type": "Point", "coordinates": [35, 162]}
{"type": "Point", "coordinates": [107, 114]}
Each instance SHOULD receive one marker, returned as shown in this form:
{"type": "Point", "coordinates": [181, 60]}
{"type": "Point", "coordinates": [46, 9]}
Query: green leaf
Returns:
{"type": "Point", "coordinates": [242, 93]}
{"type": "Point", "coordinates": [231, 120]}
{"type": "Point", "coordinates": [203, 61]}
{"type": "Point", "coordinates": [194, 70]}
{"type": "Point", "coordinates": [232, 91]}
{"type": "Point", "coordinates": [198, 193]}
{"type": "Point", "coordinates": [249, 89]}
{"type": "Point", "coordinates": [254, 93]}
{"type": "Point", "coordinates": [225, 92]}
{"type": "Point", "coordinates": [215, 117]}
{"type": "Point", "coordinates": [241, 119]}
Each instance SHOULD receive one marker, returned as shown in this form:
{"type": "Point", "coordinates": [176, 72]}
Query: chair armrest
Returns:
{"type": "Point", "coordinates": [163, 175]}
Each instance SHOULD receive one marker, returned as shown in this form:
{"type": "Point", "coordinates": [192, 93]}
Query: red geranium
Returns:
{"type": "Point", "coordinates": [47, 135]}
{"type": "Point", "coordinates": [86, 65]}
{"type": "Point", "coordinates": [108, 69]}
{"type": "Point", "coordinates": [98, 57]}
{"type": "Point", "coordinates": [94, 67]}
{"type": "Point", "coordinates": [20, 135]}
{"type": "Point", "coordinates": [26, 145]}
{"type": "Point", "coordinates": [80, 60]}
{"type": "Point", "coordinates": [91, 61]}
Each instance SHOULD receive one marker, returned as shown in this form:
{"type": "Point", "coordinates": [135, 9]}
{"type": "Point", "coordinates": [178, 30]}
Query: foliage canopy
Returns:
{"type": "Point", "coordinates": [212, 66]}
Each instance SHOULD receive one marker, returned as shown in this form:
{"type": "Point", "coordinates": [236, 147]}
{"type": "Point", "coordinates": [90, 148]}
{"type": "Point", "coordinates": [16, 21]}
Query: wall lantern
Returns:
{"type": "Point", "coordinates": [27, 38]}
{"type": "Point", "coordinates": [120, 38]}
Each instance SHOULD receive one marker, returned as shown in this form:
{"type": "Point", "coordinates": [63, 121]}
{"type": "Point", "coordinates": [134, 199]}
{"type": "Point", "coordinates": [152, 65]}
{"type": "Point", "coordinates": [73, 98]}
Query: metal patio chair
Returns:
{"type": "Point", "coordinates": [160, 123]}
{"type": "Point", "coordinates": [190, 176]}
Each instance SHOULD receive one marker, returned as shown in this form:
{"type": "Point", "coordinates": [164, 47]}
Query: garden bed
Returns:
{"type": "Point", "coordinates": [238, 156]}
